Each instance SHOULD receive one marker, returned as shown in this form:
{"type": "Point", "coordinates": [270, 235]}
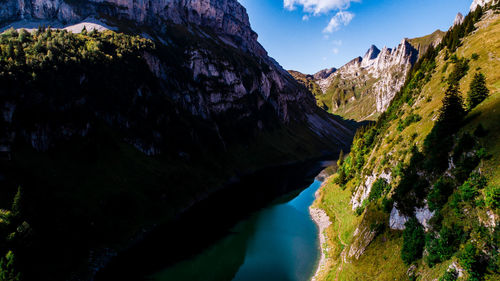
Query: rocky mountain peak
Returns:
{"type": "Point", "coordinates": [224, 28]}
{"type": "Point", "coordinates": [227, 17]}
{"type": "Point", "coordinates": [372, 80]}
{"type": "Point", "coordinates": [354, 62]}
{"type": "Point", "coordinates": [481, 3]}
{"type": "Point", "coordinates": [370, 56]}
{"type": "Point", "coordinates": [323, 74]}
{"type": "Point", "coordinates": [372, 53]}
{"type": "Point", "coordinates": [458, 19]}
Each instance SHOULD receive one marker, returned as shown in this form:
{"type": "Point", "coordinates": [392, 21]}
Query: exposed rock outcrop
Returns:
{"type": "Point", "coordinates": [322, 74]}
{"type": "Point", "coordinates": [388, 66]}
{"type": "Point", "coordinates": [364, 190]}
{"type": "Point", "coordinates": [364, 87]}
{"type": "Point", "coordinates": [481, 3]}
{"type": "Point", "coordinates": [398, 220]}
{"type": "Point", "coordinates": [370, 56]}
{"type": "Point", "coordinates": [363, 236]}
{"type": "Point", "coordinates": [227, 17]}
{"type": "Point", "coordinates": [202, 99]}
{"type": "Point", "coordinates": [459, 19]}
{"type": "Point", "coordinates": [268, 85]}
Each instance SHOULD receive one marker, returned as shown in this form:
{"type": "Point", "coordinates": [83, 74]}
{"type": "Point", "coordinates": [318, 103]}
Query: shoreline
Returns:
{"type": "Point", "coordinates": [103, 256]}
{"type": "Point", "coordinates": [323, 222]}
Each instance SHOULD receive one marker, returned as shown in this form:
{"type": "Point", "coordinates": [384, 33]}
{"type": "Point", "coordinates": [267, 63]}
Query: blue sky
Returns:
{"type": "Point", "coordinates": [310, 35]}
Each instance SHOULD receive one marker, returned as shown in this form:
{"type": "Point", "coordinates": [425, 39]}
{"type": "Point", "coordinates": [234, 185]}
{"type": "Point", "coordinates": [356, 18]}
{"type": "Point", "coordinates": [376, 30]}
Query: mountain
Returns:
{"type": "Point", "coordinates": [480, 3]}
{"type": "Point", "coordinates": [309, 81]}
{"type": "Point", "coordinates": [363, 88]}
{"type": "Point", "coordinates": [418, 197]}
{"type": "Point", "coordinates": [324, 73]}
{"type": "Point", "coordinates": [108, 134]}
{"type": "Point", "coordinates": [458, 19]}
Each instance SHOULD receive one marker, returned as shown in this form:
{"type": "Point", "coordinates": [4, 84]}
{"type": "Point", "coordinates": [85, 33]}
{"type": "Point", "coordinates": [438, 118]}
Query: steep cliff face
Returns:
{"type": "Point", "coordinates": [458, 19]}
{"type": "Point", "coordinates": [396, 179]}
{"type": "Point", "coordinates": [225, 16]}
{"type": "Point", "coordinates": [128, 139]}
{"type": "Point", "coordinates": [364, 87]}
{"type": "Point", "coordinates": [481, 3]}
{"type": "Point", "coordinates": [224, 23]}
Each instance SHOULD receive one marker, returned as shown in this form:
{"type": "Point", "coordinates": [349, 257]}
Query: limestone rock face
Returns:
{"type": "Point", "coordinates": [324, 73]}
{"type": "Point", "coordinates": [364, 190]}
{"type": "Point", "coordinates": [224, 16]}
{"type": "Point", "coordinates": [397, 220]}
{"type": "Point", "coordinates": [363, 88]}
{"type": "Point", "coordinates": [370, 56]}
{"type": "Point", "coordinates": [481, 3]}
{"type": "Point", "coordinates": [459, 19]}
{"type": "Point", "coordinates": [252, 93]}
{"type": "Point", "coordinates": [387, 66]}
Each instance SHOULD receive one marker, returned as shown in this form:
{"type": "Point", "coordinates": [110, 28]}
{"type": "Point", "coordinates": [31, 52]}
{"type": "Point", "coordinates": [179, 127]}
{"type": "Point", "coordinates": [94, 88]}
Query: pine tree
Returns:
{"type": "Point", "coordinates": [478, 13]}
{"type": "Point", "coordinates": [7, 270]}
{"type": "Point", "coordinates": [478, 91]}
{"type": "Point", "coordinates": [17, 203]}
{"type": "Point", "coordinates": [23, 36]}
{"type": "Point", "coordinates": [341, 158]}
{"type": "Point", "coordinates": [413, 241]}
{"type": "Point", "coordinates": [10, 50]}
{"type": "Point", "coordinates": [470, 27]}
{"type": "Point", "coordinates": [452, 112]}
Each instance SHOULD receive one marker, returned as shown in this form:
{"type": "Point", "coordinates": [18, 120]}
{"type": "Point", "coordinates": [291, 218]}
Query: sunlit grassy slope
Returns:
{"type": "Point", "coordinates": [354, 98]}
{"type": "Point", "coordinates": [381, 259]}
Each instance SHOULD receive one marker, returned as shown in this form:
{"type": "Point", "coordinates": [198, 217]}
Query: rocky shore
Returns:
{"type": "Point", "coordinates": [323, 221]}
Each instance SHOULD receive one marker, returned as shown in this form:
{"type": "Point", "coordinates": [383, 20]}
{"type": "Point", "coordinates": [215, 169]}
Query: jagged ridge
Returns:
{"type": "Point", "coordinates": [208, 105]}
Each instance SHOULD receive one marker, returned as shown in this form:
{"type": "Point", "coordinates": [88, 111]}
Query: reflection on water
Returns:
{"type": "Point", "coordinates": [277, 243]}
{"type": "Point", "coordinates": [256, 229]}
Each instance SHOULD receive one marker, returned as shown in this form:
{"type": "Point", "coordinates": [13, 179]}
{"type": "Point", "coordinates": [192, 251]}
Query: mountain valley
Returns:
{"type": "Point", "coordinates": [158, 140]}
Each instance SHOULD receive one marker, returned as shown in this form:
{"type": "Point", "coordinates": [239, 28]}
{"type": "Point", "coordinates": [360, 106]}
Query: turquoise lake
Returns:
{"type": "Point", "coordinates": [258, 230]}
{"type": "Point", "coordinates": [279, 242]}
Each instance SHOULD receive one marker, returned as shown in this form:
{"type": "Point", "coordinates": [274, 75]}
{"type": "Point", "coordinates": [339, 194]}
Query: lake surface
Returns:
{"type": "Point", "coordinates": [279, 242]}
{"type": "Point", "coordinates": [257, 229]}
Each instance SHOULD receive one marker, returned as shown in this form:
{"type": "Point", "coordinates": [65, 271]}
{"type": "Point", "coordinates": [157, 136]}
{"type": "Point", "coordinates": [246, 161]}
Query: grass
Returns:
{"type": "Point", "coordinates": [486, 43]}
{"type": "Point", "coordinates": [383, 251]}
{"type": "Point", "coordinates": [98, 191]}
{"type": "Point", "coordinates": [488, 115]}
{"type": "Point", "coordinates": [103, 195]}
{"type": "Point", "coordinates": [356, 97]}
{"type": "Point", "coordinates": [425, 41]}
{"type": "Point", "coordinates": [356, 103]}
{"type": "Point", "coordinates": [335, 202]}
{"type": "Point", "coordinates": [381, 259]}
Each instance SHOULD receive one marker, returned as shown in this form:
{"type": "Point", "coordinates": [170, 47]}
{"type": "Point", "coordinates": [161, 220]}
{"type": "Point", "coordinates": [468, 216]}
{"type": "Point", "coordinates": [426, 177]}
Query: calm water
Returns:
{"type": "Point", "coordinates": [279, 242]}
{"type": "Point", "coordinates": [258, 228]}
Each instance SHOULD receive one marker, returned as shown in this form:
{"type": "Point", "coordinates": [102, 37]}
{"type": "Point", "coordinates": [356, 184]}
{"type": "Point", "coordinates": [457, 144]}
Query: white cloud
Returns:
{"type": "Point", "coordinates": [341, 18]}
{"type": "Point", "coordinates": [335, 50]}
{"type": "Point", "coordinates": [337, 42]}
{"type": "Point", "coordinates": [305, 18]}
{"type": "Point", "coordinates": [318, 6]}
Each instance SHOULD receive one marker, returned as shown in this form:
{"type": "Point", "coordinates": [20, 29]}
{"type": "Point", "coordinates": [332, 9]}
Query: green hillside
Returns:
{"type": "Point", "coordinates": [440, 152]}
{"type": "Point", "coordinates": [422, 43]}
{"type": "Point", "coordinates": [308, 81]}
{"type": "Point", "coordinates": [97, 185]}
{"type": "Point", "coordinates": [354, 98]}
